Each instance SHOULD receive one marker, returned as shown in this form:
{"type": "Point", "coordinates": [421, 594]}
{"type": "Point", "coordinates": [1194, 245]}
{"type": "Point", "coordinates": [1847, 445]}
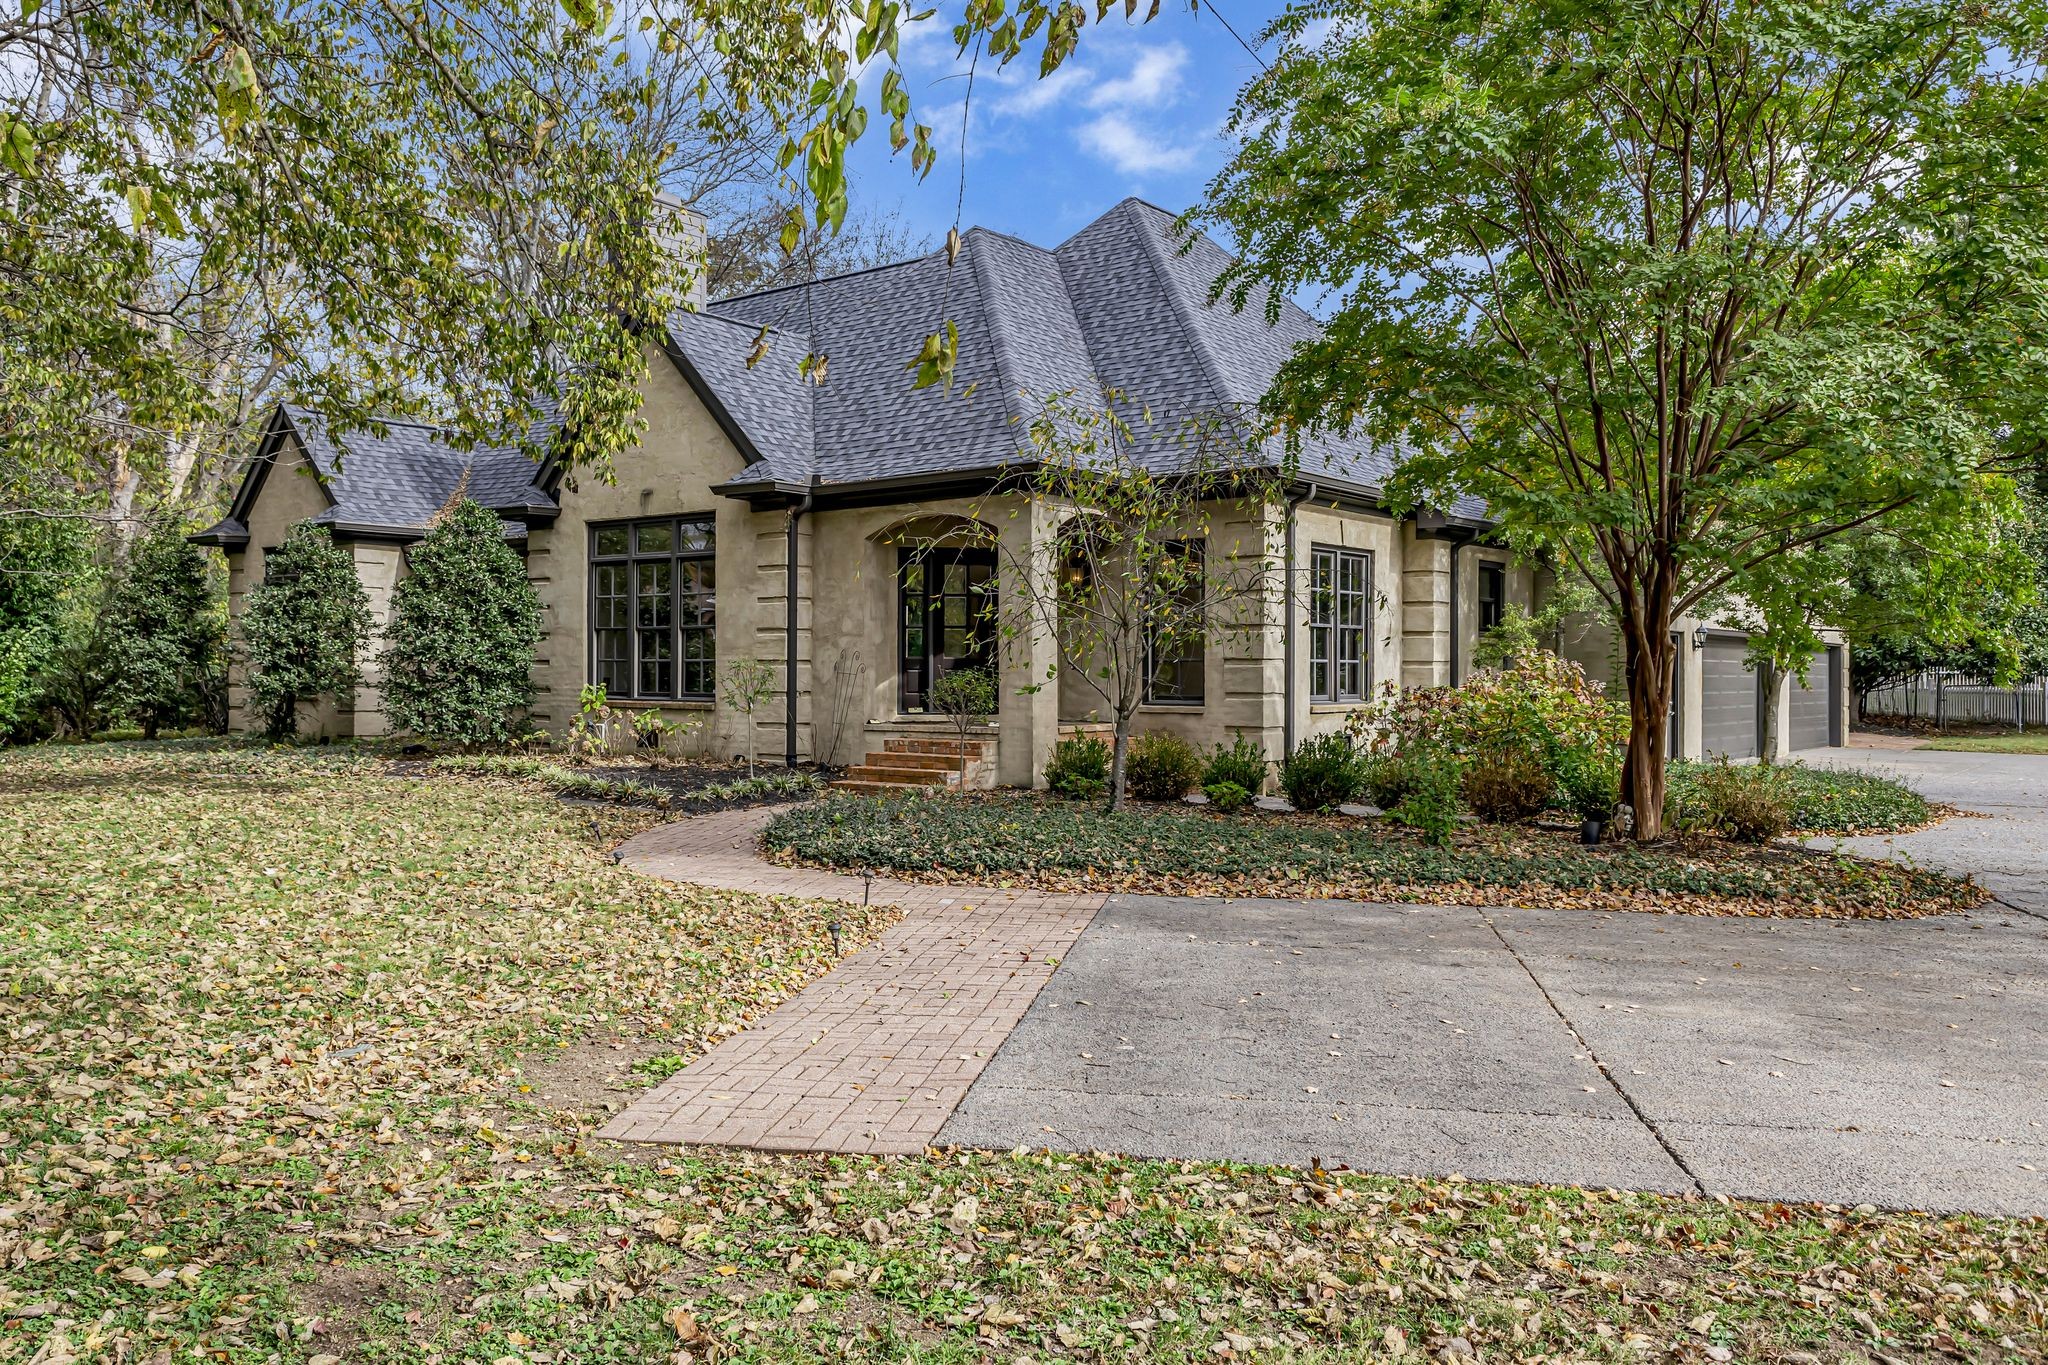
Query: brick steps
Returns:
{"type": "Point", "coordinates": [902, 764]}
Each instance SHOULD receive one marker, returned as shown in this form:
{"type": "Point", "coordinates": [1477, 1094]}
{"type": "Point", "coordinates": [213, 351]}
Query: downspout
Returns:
{"type": "Point", "coordinates": [1288, 614]}
{"type": "Point", "coordinates": [796, 515]}
{"type": "Point", "coordinates": [1456, 672]}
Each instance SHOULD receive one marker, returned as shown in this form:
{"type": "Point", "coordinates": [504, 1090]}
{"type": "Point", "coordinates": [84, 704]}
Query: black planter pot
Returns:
{"type": "Point", "coordinates": [1591, 831]}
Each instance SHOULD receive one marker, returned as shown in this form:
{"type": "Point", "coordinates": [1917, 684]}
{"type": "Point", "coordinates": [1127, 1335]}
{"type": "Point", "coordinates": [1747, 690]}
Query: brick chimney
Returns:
{"type": "Point", "coordinates": [682, 230]}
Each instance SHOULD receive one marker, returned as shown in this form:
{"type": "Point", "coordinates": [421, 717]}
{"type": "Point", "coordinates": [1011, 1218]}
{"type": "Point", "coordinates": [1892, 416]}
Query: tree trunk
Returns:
{"type": "Point", "coordinates": [1646, 639]}
{"type": "Point", "coordinates": [1767, 727]}
{"type": "Point", "coordinates": [1118, 750]}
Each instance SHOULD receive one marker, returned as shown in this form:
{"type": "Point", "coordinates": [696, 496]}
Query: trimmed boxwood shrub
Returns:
{"type": "Point", "coordinates": [1509, 781]}
{"type": "Point", "coordinates": [1323, 772]}
{"type": "Point", "coordinates": [1241, 762]}
{"type": "Point", "coordinates": [1161, 766]}
{"type": "Point", "coordinates": [1079, 767]}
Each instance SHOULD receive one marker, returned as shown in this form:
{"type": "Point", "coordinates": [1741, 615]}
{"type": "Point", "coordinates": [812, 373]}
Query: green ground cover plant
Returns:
{"type": "Point", "coordinates": [1816, 800]}
{"type": "Point", "coordinates": [2032, 742]}
{"type": "Point", "coordinates": [300, 1061]}
{"type": "Point", "coordinates": [1048, 843]}
{"type": "Point", "coordinates": [628, 791]}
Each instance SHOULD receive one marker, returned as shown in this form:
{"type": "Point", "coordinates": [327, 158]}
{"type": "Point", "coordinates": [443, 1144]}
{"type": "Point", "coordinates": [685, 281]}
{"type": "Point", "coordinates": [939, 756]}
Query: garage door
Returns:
{"type": "Point", "coordinates": [1811, 715]}
{"type": "Point", "coordinates": [1727, 700]}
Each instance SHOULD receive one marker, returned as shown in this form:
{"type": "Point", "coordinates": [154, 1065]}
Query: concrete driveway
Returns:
{"type": "Point", "coordinates": [1904, 1064]}
{"type": "Point", "coordinates": [2005, 843]}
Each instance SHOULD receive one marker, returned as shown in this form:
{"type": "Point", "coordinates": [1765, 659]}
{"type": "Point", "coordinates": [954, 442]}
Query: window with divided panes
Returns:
{"type": "Point", "coordinates": [654, 608]}
{"type": "Point", "coordinates": [1340, 584]}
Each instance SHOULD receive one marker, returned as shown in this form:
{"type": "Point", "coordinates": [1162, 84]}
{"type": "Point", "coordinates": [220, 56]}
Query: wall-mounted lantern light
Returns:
{"type": "Point", "coordinates": [1699, 637]}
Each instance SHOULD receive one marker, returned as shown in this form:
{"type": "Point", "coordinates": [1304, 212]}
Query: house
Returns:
{"type": "Point", "coordinates": [841, 531]}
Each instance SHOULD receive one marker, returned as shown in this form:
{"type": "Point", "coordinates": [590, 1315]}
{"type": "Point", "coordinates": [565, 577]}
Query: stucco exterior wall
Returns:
{"type": "Point", "coordinates": [1387, 645]}
{"type": "Point", "coordinates": [669, 473]}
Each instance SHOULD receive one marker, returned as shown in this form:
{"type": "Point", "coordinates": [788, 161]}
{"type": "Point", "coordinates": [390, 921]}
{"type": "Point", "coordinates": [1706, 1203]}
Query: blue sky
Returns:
{"type": "Point", "coordinates": [1138, 109]}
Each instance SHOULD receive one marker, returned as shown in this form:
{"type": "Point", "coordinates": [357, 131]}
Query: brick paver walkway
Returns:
{"type": "Point", "coordinates": [875, 1055]}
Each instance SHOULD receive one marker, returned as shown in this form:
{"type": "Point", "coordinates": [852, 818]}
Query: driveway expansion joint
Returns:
{"type": "Point", "coordinates": [1648, 1123]}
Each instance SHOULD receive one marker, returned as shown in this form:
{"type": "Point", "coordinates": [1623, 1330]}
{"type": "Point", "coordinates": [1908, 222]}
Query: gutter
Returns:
{"type": "Point", "coordinates": [796, 514]}
{"type": "Point", "coordinates": [1288, 615]}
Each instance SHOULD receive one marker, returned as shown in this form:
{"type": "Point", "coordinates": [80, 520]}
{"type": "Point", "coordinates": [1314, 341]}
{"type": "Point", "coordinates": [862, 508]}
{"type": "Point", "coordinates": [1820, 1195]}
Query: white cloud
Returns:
{"type": "Point", "coordinates": [1154, 80]}
{"type": "Point", "coordinates": [1035, 95]}
{"type": "Point", "coordinates": [1132, 150]}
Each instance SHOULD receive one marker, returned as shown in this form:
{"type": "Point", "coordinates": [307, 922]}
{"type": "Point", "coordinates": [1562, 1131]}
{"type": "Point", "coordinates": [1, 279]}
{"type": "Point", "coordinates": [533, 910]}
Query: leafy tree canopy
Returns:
{"type": "Point", "coordinates": [165, 631]}
{"type": "Point", "coordinates": [1680, 288]}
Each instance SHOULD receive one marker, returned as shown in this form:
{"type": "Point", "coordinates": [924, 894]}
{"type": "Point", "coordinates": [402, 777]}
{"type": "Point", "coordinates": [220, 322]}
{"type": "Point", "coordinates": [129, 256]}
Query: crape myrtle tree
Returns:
{"type": "Point", "coordinates": [1165, 545]}
{"type": "Point", "coordinates": [1681, 287]}
{"type": "Point", "coordinates": [465, 621]}
{"type": "Point", "coordinates": [304, 628]}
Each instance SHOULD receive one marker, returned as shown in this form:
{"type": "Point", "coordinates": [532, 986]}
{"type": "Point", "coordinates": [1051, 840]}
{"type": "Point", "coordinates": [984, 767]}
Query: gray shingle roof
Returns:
{"type": "Point", "coordinates": [1119, 304]}
{"type": "Point", "coordinates": [396, 482]}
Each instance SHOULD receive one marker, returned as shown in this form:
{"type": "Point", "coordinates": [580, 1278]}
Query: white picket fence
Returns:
{"type": "Point", "coordinates": [1947, 697]}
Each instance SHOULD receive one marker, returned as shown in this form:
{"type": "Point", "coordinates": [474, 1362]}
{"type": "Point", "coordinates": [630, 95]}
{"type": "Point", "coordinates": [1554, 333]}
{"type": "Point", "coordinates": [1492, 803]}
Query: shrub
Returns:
{"type": "Point", "coordinates": [458, 654]}
{"type": "Point", "coordinates": [1388, 778]}
{"type": "Point", "coordinates": [1818, 800]}
{"type": "Point", "coordinates": [1227, 796]}
{"type": "Point", "coordinates": [1431, 805]}
{"type": "Point", "coordinates": [164, 634]}
{"type": "Point", "coordinates": [1243, 763]}
{"type": "Point", "coordinates": [1589, 782]}
{"type": "Point", "coordinates": [1323, 772]}
{"type": "Point", "coordinates": [1161, 766]}
{"type": "Point", "coordinates": [1544, 702]}
{"type": "Point", "coordinates": [1079, 767]}
{"type": "Point", "coordinates": [305, 628]}
{"type": "Point", "coordinates": [1750, 803]}
{"type": "Point", "coordinates": [1505, 782]}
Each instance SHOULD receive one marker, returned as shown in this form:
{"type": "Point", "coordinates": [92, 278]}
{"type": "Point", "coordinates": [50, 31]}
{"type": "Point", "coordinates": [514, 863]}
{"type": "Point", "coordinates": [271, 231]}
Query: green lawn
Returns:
{"type": "Point", "coordinates": [298, 1063]}
{"type": "Point", "coordinates": [2032, 742]}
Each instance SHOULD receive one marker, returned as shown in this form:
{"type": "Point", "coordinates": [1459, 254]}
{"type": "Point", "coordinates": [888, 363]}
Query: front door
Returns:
{"type": "Point", "coordinates": [945, 617]}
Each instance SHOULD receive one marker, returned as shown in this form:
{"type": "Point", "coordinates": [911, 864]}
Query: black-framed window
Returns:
{"type": "Point", "coordinates": [1493, 594]}
{"type": "Point", "coordinates": [1339, 589]}
{"type": "Point", "coordinates": [1174, 672]}
{"type": "Point", "coordinates": [654, 608]}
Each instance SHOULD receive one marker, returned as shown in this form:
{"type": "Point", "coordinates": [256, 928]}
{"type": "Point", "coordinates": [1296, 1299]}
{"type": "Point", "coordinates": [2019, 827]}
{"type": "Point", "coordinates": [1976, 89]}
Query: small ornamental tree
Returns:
{"type": "Point", "coordinates": [305, 628]}
{"type": "Point", "coordinates": [1162, 550]}
{"type": "Point", "coordinates": [743, 685]}
{"type": "Point", "coordinates": [163, 632]}
{"type": "Point", "coordinates": [458, 654]}
{"type": "Point", "coordinates": [964, 696]}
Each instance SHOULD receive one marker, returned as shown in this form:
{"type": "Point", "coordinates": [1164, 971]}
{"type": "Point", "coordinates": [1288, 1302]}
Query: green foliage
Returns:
{"type": "Point", "coordinates": [166, 632]}
{"type": "Point", "coordinates": [1182, 849]}
{"type": "Point", "coordinates": [1389, 773]}
{"type": "Point", "coordinates": [1816, 800]}
{"type": "Point", "coordinates": [1750, 803]}
{"type": "Point", "coordinates": [44, 565]}
{"type": "Point", "coordinates": [1162, 766]}
{"type": "Point", "coordinates": [625, 790]}
{"type": "Point", "coordinates": [458, 654]}
{"type": "Point", "coordinates": [1682, 363]}
{"type": "Point", "coordinates": [1324, 772]}
{"type": "Point", "coordinates": [1589, 780]}
{"type": "Point", "coordinates": [1433, 800]}
{"type": "Point", "coordinates": [1226, 796]}
{"type": "Point", "coordinates": [1241, 761]}
{"type": "Point", "coordinates": [304, 628]}
{"type": "Point", "coordinates": [964, 693]}
{"type": "Point", "coordinates": [1509, 781]}
{"type": "Point", "coordinates": [1079, 767]}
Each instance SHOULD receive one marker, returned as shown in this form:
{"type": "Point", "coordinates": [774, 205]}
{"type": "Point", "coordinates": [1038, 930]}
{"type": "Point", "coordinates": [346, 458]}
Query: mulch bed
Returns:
{"type": "Point", "coordinates": [1014, 840]}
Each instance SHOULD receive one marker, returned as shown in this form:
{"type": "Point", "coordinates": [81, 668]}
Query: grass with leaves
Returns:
{"type": "Point", "coordinates": [2032, 742]}
{"type": "Point", "coordinates": [293, 1065]}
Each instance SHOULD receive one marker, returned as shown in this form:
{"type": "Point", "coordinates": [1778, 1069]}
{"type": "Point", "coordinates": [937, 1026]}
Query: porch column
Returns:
{"type": "Point", "coordinates": [1029, 721]}
{"type": "Point", "coordinates": [1425, 609]}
